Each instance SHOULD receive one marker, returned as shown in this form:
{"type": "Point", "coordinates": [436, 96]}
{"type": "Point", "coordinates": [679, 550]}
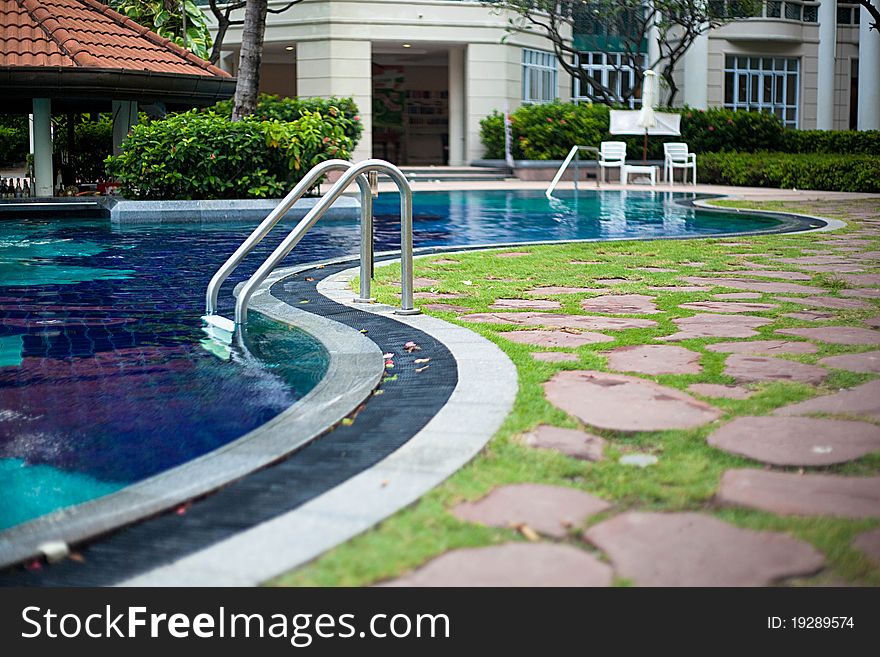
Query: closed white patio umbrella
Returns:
{"type": "Point", "coordinates": [645, 121]}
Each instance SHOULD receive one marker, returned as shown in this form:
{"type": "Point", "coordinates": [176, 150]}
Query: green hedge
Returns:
{"type": "Point", "coordinates": [548, 131]}
{"type": "Point", "coordinates": [275, 108]}
{"type": "Point", "coordinates": [198, 155]}
{"type": "Point", "coordinates": [93, 143]}
{"type": "Point", "coordinates": [13, 138]}
{"type": "Point", "coordinates": [844, 173]}
{"type": "Point", "coordinates": [864, 142]}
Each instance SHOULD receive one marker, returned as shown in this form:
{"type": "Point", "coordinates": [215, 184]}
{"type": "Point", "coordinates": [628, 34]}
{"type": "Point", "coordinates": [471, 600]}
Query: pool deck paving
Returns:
{"type": "Point", "coordinates": [817, 457]}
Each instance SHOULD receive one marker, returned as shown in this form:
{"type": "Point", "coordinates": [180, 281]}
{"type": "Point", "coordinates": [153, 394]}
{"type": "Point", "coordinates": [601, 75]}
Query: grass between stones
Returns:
{"type": "Point", "coordinates": [687, 473]}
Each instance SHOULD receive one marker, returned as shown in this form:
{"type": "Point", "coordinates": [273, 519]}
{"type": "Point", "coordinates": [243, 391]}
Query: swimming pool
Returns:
{"type": "Point", "coordinates": [103, 378]}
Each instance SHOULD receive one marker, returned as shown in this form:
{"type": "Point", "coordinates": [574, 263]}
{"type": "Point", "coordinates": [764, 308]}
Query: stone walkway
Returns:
{"type": "Point", "coordinates": [785, 454]}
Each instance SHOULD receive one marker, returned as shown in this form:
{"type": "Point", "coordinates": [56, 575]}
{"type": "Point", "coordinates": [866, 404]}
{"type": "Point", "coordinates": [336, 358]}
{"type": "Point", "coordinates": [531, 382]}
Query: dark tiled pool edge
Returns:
{"type": "Point", "coordinates": [355, 368]}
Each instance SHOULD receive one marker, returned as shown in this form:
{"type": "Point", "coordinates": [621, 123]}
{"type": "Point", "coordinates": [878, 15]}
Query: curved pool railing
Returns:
{"type": "Point", "coordinates": [304, 185]}
{"type": "Point", "coordinates": [406, 239]}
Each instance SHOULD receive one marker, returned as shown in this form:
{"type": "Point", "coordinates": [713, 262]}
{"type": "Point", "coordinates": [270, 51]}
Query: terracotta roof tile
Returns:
{"type": "Point", "coordinates": [87, 34]}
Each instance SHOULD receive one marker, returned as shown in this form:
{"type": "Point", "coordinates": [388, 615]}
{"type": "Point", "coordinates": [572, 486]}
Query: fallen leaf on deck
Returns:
{"type": "Point", "coordinates": [304, 301]}
{"type": "Point", "coordinates": [309, 278]}
{"type": "Point", "coordinates": [411, 347]}
{"type": "Point", "coordinates": [529, 533]}
{"type": "Point", "coordinates": [388, 355]}
{"type": "Point", "coordinates": [347, 421]}
{"type": "Point", "coordinates": [421, 360]}
{"type": "Point", "coordinates": [422, 369]}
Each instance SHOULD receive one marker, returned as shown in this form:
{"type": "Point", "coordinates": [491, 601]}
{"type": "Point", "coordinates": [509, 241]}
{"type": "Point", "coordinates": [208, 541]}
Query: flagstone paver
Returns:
{"type": "Point", "coordinates": [833, 269]}
{"type": "Point", "coordinates": [737, 295]}
{"type": "Point", "coordinates": [680, 288]}
{"type": "Point", "coordinates": [790, 493]}
{"type": "Point", "coordinates": [868, 543]}
{"type": "Point", "coordinates": [852, 335]}
{"type": "Point", "coordinates": [534, 304]}
{"type": "Point", "coordinates": [511, 564]}
{"type": "Point", "coordinates": [445, 261]}
{"type": "Point", "coordinates": [513, 254]}
{"type": "Point", "coordinates": [798, 441]}
{"type": "Point", "coordinates": [719, 390]}
{"type": "Point", "coordinates": [755, 286]}
{"type": "Point", "coordinates": [554, 356]}
{"type": "Point", "coordinates": [716, 326]}
{"type": "Point", "coordinates": [860, 279]}
{"type": "Point", "coordinates": [621, 304]}
{"type": "Point", "coordinates": [625, 403]}
{"type": "Point", "coordinates": [438, 295]}
{"type": "Point", "coordinates": [447, 307]}
{"type": "Point", "coordinates": [558, 289]}
{"type": "Point", "coordinates": [874, 321]}
{"type": "Point", "coordinates": [694, 549]}
{"type": "Point", "coordinates": [556, 338]}
{"type": "Point", "coordinates": [560, 320]}
{"type": "Point", "coordinates": [420, 281]}
{"type": "Point", "coordinates": [571, 442]}
{"type": "Point", "coordinates": [549, 510]}
{"type": "Point", "coordinates": [654, 359]}
{"type": "Point", "coordinates": [763, 347]}
{"type": "Point", "coordinates": [861, 400]}
{"type": "Point", "coordinates": [867, 361]}
{"type": "Point", "coordinates": [812, 260]}
{"type": "Point", "coordinates": [862, 293]}
{"type": "Point", "coordinates": [728, 306]}
{"type": "Point", "coordinates": [747, 368]}
{"type": "Point", "coordinates": [810, 316]}
{"type": "Point", "coordinates": [828, 302]}
{"type": "Point", "coordinates": [611, 281]}
{"type": "Point", "coordinates": [773, 273]}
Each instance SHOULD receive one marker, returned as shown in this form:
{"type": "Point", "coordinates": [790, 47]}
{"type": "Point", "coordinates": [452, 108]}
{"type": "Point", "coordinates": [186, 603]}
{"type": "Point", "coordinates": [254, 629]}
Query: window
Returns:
{"type": "Point", "coordinates": [848, 14]}
{"type": "Point", "coordinates": [538, 76]}
{"type": "Point", "coordinates": [611, 70]}
{"type": "Point", "coordinates": [765, 84]}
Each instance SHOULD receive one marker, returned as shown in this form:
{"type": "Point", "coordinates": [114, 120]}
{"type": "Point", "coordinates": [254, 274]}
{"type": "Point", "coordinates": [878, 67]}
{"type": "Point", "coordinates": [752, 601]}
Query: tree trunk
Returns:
{"type": "Point", "coordinates": [248, 84]}
{"type": "Point", "coordinates": [222, 28]}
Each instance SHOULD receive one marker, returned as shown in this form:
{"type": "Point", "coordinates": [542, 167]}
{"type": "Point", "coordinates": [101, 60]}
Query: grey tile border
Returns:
{"type": "Point", "coordinates": [355, 368]}
{"type": "Point", "coordinates": [830, 224]}
{"type": "Point", "coordinates": [451, 439]}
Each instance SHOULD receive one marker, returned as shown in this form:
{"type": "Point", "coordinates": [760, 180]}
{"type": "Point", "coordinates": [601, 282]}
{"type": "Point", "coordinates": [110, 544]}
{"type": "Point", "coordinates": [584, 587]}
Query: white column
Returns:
{"type": "Point", "coordinates": [487, 90]}
{"type": "Point", "coordinates": [44, 177]}
{"type": "Point", "coordinates": [827, 57]}
{"type": "Point", "coordinates": [456, 107]}
{"type": "Point", "coordinates": [696, 73]}
{"type": "Point", "coordinates": [339, 67]}
{"type": "Point", "coordinates": [653, 44]}
{"type": "Point", "coordinates": [869, 84]}
{"type": "Point", "coordinates": [125, 116]}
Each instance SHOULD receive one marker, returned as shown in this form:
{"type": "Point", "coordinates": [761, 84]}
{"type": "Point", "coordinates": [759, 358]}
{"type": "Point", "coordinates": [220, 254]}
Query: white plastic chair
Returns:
{"type": "Point", "coordinates": [677, 156]}
{"type": "Point", "coordinates": [612, 155]}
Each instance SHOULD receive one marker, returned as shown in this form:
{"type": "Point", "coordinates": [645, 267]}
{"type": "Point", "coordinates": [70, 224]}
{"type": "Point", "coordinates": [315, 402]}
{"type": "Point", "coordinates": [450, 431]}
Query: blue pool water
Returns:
{"type": "Point", "coordinates": [103, 380]}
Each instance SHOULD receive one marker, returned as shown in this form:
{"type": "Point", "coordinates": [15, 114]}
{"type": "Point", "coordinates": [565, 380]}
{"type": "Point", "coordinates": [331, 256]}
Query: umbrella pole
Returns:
{"type": "Point", "coordinates": [645, 149]}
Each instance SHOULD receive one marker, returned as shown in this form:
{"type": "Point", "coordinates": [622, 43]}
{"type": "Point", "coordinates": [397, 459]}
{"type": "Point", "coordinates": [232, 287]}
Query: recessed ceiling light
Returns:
{"type": "Point", "coordinates": [407, 45]}
{"type": "Point", "coordinates": [289, 48]}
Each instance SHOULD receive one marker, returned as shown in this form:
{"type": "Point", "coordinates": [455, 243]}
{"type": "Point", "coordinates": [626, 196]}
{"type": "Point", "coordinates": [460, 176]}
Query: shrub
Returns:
{"type": "Point", "coordinates": [198, 155]}
{"type": "Point", "coordinates": [843, 173]}
{"type": "Point", "coordinates": [92, 144]}
{"type": "Point", "coordinates": [865, 142]}
{"type": "Point", "coordinates": [13, 138]}
{"type": "Point", "coordinates": [13, 145]}
{"type": "Point", "coordinates": [275, 108]}
{"type": "Point", "coordinates": [547, 132]}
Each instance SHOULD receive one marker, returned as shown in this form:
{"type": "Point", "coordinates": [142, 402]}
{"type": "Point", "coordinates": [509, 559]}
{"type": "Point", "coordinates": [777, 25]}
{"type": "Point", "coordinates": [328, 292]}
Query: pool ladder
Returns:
{"type": "Point", "coordinates": [358, 173]}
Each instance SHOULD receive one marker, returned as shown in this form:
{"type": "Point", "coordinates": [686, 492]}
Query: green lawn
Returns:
{"type": "Point", "coordinates": [688, 471]}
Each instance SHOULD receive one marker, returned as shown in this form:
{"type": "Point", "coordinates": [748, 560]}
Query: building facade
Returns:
{"type": "Point", "coordinates": [426, 72]}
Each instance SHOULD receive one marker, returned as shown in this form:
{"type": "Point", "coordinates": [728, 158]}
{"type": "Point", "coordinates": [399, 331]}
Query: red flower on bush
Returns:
{"type": "Point", "coordinates": [549, 120]}
{"type": "Point", "coordinates": [729, 121]}
{"type": "Point", "coordinates": [711, 128]}
{"type": "Point", "coordinates": [357, 117]}
{"type": "Point", "coordinates": [326, 139]}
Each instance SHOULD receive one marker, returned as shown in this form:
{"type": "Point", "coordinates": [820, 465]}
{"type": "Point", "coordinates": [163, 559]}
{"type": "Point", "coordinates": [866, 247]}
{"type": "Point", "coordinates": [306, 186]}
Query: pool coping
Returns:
{"type": "Point", "coordinates": [482, 399]}
{"type": "Point", "coordinates": [355, 369]}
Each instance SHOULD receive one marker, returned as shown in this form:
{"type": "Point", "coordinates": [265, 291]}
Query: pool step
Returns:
{"type": "Point", "coordinates": [219, 331]}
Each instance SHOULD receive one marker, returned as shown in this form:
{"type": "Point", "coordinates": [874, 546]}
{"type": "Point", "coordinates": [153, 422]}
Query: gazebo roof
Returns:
{"type": "Point", "coordinates": [80, 51]}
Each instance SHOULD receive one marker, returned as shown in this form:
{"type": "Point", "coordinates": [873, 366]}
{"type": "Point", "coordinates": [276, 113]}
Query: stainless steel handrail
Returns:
{"type": "Point", "coordinates": [295, 235]}
{"type": "Point", "coordinates": [573, 154]}
{"type": "Point", "coordinates": [275, 216]}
